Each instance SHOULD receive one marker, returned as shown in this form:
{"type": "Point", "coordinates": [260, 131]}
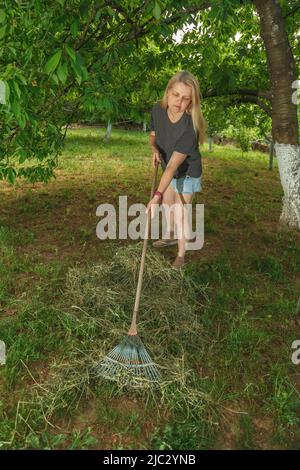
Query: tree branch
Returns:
{"type": "Point", "coordinates": [267, 94]}
{"type": "Point", "coordinates": [255, 100]}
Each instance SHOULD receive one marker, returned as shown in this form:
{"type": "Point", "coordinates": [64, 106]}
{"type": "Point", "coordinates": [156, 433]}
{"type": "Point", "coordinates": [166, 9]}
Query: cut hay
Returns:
{"type": "Point", "coordinates": [169, 310]}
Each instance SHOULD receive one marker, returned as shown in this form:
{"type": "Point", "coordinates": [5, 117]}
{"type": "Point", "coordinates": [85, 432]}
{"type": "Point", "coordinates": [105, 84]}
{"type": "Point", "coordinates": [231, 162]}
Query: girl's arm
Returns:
{"type": "Point", "coordinates": [167, 176]}
{"type": "Point", "coordinates": [174, 162]}
{"type": "Point", "coordinates": [155, 150]}
{"type": "Point", "coordinates": [152, 141]}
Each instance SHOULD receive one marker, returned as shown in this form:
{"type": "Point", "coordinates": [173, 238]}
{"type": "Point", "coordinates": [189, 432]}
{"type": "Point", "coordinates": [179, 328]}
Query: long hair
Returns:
{"type": "Point", "coordinates": [194, 109]}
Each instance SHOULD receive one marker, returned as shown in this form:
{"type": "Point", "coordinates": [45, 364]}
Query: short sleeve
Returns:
{"type": "Point", "coordinates": [187, 142]}
{"type": "Point", "coordinates": [152, 128]}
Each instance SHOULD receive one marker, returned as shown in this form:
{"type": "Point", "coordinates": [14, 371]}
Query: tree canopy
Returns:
{"type": "Point", "coordinates": [62, 59]}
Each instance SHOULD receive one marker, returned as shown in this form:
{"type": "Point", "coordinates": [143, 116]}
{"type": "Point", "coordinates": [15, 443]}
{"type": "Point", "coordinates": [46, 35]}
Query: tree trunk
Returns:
{"type": "Point", "coordinates": [282, 74]}
{"type": "Point", "coordinates": [288, 159]}
{"type": "Point", "coordinates": [210, 142]}
{"type": "Point", "coordinates": [108, 131]}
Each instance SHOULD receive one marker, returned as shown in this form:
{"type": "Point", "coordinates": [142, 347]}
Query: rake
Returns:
{"type": "Point", "coordinates": [129, 363]}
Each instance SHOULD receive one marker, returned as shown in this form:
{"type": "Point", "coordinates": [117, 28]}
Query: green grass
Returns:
{"type": "Point", "coordinates": [234, 384]}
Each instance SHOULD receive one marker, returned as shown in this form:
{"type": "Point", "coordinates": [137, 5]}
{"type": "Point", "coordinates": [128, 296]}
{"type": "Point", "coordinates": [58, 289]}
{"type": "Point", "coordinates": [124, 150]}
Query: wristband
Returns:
{"type": "Point", "coordinates": [158, 193]}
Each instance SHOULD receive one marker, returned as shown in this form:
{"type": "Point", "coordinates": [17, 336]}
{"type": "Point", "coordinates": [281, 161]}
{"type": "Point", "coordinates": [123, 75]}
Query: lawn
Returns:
{"type": "Point", "coordinates": [231, 385]}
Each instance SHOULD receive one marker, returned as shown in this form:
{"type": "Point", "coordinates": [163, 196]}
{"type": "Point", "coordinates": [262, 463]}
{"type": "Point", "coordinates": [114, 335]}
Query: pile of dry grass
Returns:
{"type": "Point", "coordinates": [170, 307]}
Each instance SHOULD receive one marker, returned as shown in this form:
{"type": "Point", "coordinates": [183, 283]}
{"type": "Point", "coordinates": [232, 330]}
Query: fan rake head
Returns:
{"type": "Point", "coordinates": [129, 364]}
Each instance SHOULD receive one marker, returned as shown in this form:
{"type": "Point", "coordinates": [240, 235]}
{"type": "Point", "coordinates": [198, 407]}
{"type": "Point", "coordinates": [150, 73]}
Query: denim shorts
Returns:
{"type": "Point", "coordinates": [187, 184]}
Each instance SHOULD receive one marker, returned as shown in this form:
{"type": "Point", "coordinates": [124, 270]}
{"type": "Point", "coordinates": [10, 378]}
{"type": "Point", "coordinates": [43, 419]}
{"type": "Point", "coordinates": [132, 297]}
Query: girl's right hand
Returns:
{"type": "Point", "coordinates": [156, 159]}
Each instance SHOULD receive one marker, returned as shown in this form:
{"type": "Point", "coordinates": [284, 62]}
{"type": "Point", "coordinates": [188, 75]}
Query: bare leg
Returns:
{"type": "Point", "coordinates": [184, 228]}
{"type": "Point", "coordinates": [169, 199]}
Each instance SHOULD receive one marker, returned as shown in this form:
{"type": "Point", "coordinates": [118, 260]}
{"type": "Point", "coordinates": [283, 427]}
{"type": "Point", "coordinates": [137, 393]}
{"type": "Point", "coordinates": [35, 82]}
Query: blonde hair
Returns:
{"type": "Point", "coordinates": [194, 109]}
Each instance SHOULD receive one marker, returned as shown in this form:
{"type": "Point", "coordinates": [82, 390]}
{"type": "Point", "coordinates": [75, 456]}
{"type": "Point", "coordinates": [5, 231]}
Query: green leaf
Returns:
{"type": "Point", "coordinates": [2, 16]}
{"type": "Point", "coordinates": [17, 89]}
{"type": "Point", "coordinates": [11, 175]}
{"type": "Point", "coordinates": [84, 72]}
{"type": "Point", "coordinates": [156, 11]}
{"type": "Point", "coordinates": [71, 52]}
{"type": "Point", "coordinates": [105, 58]}
{"type": "Point", "coordinates": [22, 121]}
{"type": "Point", "coordinates": [22, 78]}
{"type": "Point", "coordinates": [23, 156]}
{"type": "Point", "coordinates": [7, 92]}
{"type": "Point", "coordinates": [52, 63]}
{"type": "Point", "coordinates": [74, 28]}
{"type": "Point", "coordinates": [105, 104]}
{"type": "Point", "coordinates": [79, 59]}
{"type": "Point", "coordinates": [84, 8]}
{"type": "Point", "coordinates": [2, 32]}
{"type": "Point", "coordinates": [78, 73]}
{"type": "Point", "coordinates": [55, 79]}
{"type": "Point", "coordinates": [110, 11]}
{"type": "Point", "coordinates": [62, 72]}
{"type": "Point", "coordinates": [13, 50]}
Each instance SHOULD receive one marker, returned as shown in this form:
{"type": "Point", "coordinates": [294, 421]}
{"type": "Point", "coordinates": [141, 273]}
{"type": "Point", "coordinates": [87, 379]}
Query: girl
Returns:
{"type": "Point", "coordinates": [177, 126]}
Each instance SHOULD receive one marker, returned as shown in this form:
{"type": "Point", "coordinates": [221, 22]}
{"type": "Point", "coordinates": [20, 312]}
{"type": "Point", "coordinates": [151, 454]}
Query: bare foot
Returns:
{"type": "Point", "coordinates": [179, 262]}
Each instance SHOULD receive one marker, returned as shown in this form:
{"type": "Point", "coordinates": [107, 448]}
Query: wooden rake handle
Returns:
{"type": "Point", "coordinates": [133, 327]}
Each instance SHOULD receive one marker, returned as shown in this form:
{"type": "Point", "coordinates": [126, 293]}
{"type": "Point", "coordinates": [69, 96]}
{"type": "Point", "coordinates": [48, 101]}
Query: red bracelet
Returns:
{"type": "Point", "coordinates": [158, 193]}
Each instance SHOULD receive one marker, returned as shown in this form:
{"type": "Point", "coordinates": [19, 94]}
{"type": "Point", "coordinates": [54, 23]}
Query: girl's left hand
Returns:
{"type": "Point", "coordinates": [151, 205]}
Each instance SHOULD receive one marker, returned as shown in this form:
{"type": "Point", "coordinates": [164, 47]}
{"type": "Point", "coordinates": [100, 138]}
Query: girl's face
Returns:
{"type": "Point", "coordinates": [179, 97]}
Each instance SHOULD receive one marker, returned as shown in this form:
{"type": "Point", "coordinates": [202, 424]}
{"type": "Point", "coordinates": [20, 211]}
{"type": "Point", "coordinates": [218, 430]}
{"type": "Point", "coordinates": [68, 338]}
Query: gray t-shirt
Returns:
{"type": "Point", "coordinates": [178, 136]}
